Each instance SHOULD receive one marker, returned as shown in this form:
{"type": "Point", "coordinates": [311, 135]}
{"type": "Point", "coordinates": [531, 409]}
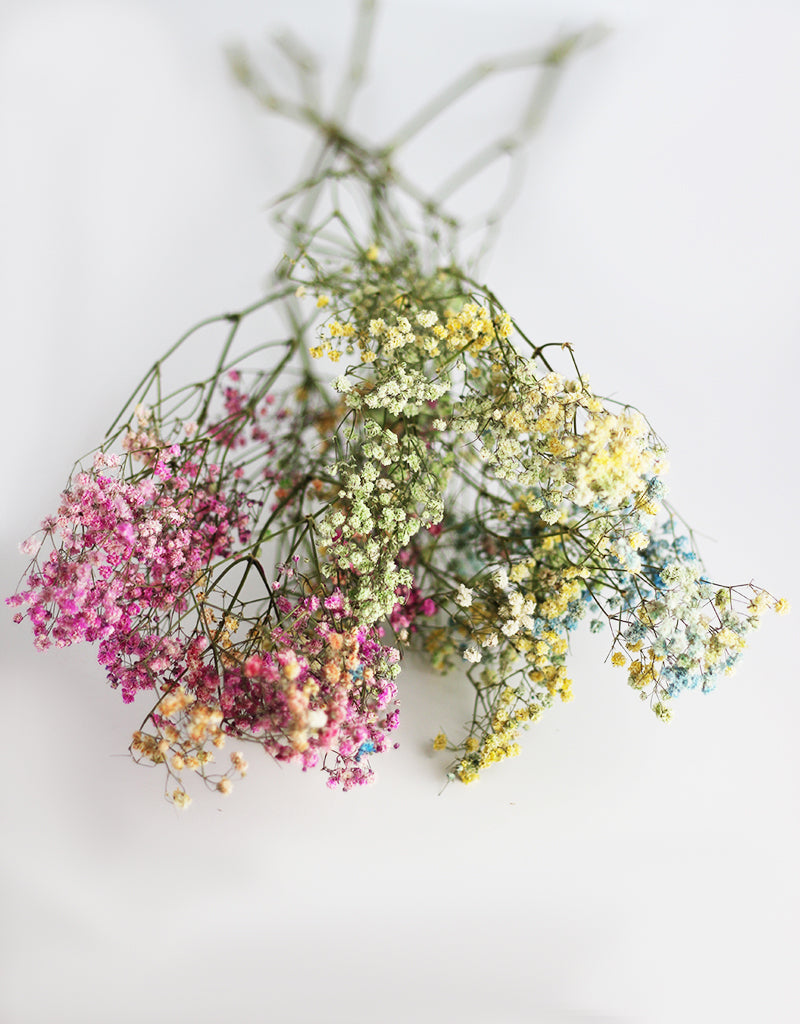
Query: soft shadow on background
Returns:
{"type": "Point", "coordinates": [620, 870]}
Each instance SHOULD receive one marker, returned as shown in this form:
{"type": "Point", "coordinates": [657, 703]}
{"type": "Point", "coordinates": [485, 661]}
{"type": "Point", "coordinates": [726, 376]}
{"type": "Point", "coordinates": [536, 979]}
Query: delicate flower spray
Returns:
{"type": "Point", "coordinates": [253, 553]}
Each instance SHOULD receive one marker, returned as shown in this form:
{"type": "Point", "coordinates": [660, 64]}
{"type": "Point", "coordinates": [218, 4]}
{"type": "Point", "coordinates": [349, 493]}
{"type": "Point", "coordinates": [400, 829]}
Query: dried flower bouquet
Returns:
{"type": "Point", "coordinates": [254, 553]}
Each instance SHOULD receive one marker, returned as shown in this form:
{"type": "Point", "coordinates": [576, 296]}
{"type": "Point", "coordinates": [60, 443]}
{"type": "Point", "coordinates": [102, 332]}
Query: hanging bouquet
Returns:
{"type": "Point", "coordinates": [399, 469]}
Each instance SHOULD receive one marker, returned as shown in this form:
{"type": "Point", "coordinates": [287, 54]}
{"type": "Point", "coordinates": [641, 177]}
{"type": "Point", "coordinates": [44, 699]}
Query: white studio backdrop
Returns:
{"type": "Point", "coordinates": [620, 870]}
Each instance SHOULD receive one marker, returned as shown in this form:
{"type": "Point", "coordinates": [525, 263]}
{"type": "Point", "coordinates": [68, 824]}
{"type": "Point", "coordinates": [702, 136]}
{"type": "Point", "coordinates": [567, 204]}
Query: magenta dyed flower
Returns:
{"type": "Point", "coordinates": [410, 605]}
{"type": "Point", "coordinates": [124, 557]}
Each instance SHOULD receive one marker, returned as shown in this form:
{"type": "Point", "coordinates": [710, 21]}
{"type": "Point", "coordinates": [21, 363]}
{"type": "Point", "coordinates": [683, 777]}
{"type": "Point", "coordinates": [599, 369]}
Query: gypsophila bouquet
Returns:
{"type": "Point", "coordinates": [399, 468]}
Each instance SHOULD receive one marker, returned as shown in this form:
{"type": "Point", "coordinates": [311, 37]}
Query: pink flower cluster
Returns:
{"type": "Point", "coordinates": [244, 419]}
{"type": "Point", "coordinates": [124, 557]}
{"type": "Point", "coordinates": [410, 604]}
{"type": "Point", "coordinates": [271, 436]}
{"type": "Point", "coordinates": [324, 689]}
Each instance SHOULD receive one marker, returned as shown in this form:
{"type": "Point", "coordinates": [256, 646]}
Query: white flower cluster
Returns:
{"type": "Point", "coordinates": [516, 614]}
{"type": "Point", "coordinates": [401, 334]}
{"type": "Point", "coordinates": [512, 614]}
{"type": "Point", "coordinates": [400, 389]}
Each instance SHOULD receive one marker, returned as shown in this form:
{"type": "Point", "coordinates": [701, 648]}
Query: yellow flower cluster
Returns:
{"type": "Point", "coordinates": [329, 345]}
{"type": "Point", "coordinates": [496, 747]}
{"type": "Point", "coordinates": [473, 328]}
{"type": "Point", "coordinates": [440, 648]}
{"type": "Point", "coordinates": [500, 741]}
{"type": "Point", "coordinates": [644, 670]}
{"type": "Point", "coordinates": [440, 741]}
{"type": "Point", "coordinates": [564, 589]}
{"type": "Point", "coordinates": [761, 603]}
{"type": "Point", "coordinates": [555, 679]}
{"type": "Point", "coordinates": [721, 643]}
{"type": "Point", "coordinates": [325, 348]}
{"type": "Point", "coordinates": [615, 460]}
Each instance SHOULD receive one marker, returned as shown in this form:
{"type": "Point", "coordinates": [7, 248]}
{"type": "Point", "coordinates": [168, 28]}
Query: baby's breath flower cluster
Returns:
{"type": "Point", "coordinates": [253, 553]}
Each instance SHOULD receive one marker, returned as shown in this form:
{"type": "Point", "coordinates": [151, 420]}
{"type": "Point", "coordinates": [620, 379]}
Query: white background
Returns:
{"type": "Point", "coordinates": [620, 870]}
